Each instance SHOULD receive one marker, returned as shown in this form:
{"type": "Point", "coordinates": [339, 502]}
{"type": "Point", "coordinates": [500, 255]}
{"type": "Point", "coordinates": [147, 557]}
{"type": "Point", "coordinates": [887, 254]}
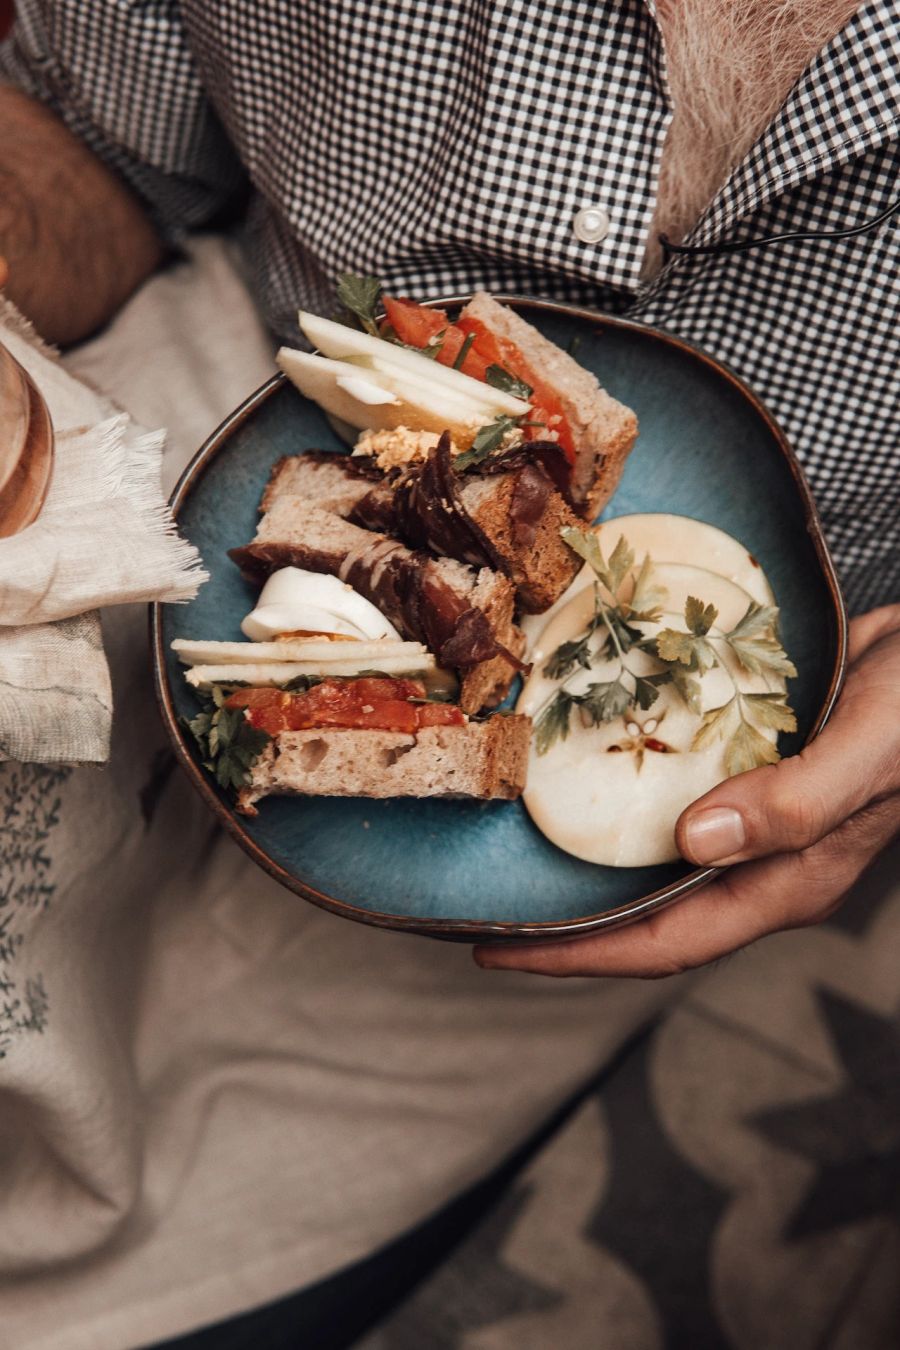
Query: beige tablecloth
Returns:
{"type": "Point", "coordinates": [213, 1093]}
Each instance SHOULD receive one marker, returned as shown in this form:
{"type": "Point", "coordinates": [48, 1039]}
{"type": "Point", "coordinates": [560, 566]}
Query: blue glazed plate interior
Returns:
{"type": "Point", "coordinates": [704, 450]}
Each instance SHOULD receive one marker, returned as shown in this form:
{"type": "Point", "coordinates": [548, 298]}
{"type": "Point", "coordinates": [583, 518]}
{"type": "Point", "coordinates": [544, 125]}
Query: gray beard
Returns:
{"type": "Point", "coordinates": [731, 66]}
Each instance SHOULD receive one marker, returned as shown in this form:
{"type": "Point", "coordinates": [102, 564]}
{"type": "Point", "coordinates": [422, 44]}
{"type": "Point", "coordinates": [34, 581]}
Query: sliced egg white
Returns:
{"type": "Point", "coordinates": [267, 621]}
{"type": "Point", "coordinates": [612, 794]}
{"type": "Point", "coordinates": [337, 340]}
{"type": "Point", "coordinates": [303, 600]}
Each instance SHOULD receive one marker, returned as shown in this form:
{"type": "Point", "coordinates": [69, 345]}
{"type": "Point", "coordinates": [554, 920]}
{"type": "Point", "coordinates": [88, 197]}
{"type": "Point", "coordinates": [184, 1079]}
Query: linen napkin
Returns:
{"type": "Point", "coordinates": [104, 537]}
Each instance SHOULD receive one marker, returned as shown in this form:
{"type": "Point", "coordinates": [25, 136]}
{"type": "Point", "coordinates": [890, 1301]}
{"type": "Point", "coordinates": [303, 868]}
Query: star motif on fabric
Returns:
{"type": "Point", "coordinates": [473, 1288]}
{"type": "Point", "coordinates": [852, 1135]}
{"type": "Point", "coordinates": [659, 1214]}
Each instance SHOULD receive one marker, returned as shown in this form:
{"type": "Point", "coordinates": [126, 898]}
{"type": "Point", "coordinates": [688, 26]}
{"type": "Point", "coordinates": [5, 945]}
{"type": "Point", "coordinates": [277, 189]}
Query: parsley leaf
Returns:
{"type": "Point", "coordinates": [755, 644]}
{"type": "Point", "coordinates": [488, 439]}
{"type": "Point", "coordinates": [699, 618]}
{"type": "Point", "coordinates": [586, 544]}
{"type": "Point", "coordinates": [748, 749]}
{"type": "Point", "coordinates": [553, 723]}
{"type": "Point", "coordinates": [508, 384]}
{"type": "Point", "coordinates": [228, 742]}
{"type": "Point", "coordinates": [690, 650]}
{"type": "Point", "coordinates": [621, 561]}
{"type": "Point", "coordinates": [360, 295]}
{"type": "Point", "coordinates": [648, 597]}
{"type": "Point", "coordinates": [604, 702]}
{"type": "Point", "coordinates": [716, 723]}
{"type": "Point", "coordinates": [646, 691]}
{"type": "Point", "coordinates": [626, 636]}
{"type": "Point", "coordinates": [739, 720]}
{"type": "Point", "coordinates": [769, 710]}
{"type": "Point", "coordinates": [463, 351]}
{"type": "Point", "coordinates": [687, 687]}
{"type": "Point", "coordinates": [568, 655]}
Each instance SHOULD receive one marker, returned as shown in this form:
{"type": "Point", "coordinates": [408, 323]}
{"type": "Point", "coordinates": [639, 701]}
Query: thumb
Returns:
{"type": "Point", "coordinates": [789, 806]}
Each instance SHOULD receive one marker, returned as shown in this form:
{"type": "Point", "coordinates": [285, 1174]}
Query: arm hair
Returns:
{"type": "Point", "coordinates": [74, 239]}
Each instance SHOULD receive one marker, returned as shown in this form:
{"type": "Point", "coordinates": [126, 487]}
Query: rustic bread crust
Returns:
{"type": "Point", "coordinates": [604, 430]}
{"type": "Point", "coordinates": [482, 759]}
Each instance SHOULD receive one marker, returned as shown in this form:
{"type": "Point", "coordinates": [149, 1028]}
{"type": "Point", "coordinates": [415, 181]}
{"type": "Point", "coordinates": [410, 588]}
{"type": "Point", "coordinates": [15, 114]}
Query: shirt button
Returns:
{"type": "Point", "coordinates": [591, 225]}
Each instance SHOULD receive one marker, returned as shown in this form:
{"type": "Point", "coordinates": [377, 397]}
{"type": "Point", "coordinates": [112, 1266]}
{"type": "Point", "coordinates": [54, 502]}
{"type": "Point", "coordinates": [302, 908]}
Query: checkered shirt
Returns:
{"type": "Point", "coordinates": [448, 146]}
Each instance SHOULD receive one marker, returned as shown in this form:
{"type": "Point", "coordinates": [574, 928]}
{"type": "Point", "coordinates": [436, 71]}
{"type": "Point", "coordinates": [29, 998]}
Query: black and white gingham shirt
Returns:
{"type": "Point", "coordinates": [448, 145]}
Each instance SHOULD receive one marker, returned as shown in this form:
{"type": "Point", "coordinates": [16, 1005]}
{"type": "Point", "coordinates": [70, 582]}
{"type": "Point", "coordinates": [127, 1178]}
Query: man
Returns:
{"type": "Point", "coordinates": [448, 147]}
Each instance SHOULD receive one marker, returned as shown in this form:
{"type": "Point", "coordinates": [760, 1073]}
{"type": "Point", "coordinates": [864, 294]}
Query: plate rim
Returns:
{"type": "Point", "coordinates": [467, 930]}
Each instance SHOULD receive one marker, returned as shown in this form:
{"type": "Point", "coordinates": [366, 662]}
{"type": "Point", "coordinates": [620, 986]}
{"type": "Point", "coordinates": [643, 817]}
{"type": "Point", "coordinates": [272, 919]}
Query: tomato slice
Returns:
{"type": "Point", "coordinates": [546, 405]}
{"type": "Point", "coordinates": [417, 326]}
{"type": "Point", "coordinates": [376, 703]}
{"type": "Point", "coordinates": [439, 715]}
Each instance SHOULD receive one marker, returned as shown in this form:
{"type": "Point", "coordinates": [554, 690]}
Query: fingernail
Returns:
{"type": "Point", "coordinates": [714, 834]}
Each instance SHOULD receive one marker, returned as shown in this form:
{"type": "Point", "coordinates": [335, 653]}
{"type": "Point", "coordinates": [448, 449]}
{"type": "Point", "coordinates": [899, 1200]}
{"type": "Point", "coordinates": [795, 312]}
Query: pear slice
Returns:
{"type": "Point", "coordinates": [282, 672]}
{"type": "Point", "coordinates": [668, 539]}
{"type": "Point", "coordinates": [367, 655]}
{"type": "Point", "coordinates": [612, 794]}
{"type": "Point", "coordinates": [337, 340]}
{"type": "Point", "coordinates": [370, 399]}
{"type": "Point", "coordinates": [680, 539]}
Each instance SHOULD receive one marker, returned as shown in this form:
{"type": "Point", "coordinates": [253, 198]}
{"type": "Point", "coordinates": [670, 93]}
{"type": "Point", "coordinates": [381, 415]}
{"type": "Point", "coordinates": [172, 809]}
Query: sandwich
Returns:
{"type": "Point", "coordinates": [373, 737]}
{"type": "Point", "coordinates": [492, 382]}
{"type": "Point", "coordinates": [462, 615]}
{"type": "Point", "coordinates": [345, 735]}
{"type": "Point", "coordinates": [509, 519]}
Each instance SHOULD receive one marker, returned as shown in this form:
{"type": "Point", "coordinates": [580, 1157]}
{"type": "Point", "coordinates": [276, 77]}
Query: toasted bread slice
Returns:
{"type": "Point", "coordinates": [482, 759]}
{"type": "Point", "coordinates": [603, 429]}
{"type": "Point", "coordinates": [533, 555]}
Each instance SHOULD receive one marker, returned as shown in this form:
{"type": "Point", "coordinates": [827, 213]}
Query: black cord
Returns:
{"type": "Point", "coordinates": [742, 245]}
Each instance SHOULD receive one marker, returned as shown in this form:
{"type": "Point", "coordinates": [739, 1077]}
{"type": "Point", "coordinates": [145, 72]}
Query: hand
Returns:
{"type": "Point", "coordinates": [802, 831]}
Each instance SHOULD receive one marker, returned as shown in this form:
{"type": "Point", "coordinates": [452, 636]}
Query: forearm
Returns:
{"type": "Point", "coordinates": [75, 241]}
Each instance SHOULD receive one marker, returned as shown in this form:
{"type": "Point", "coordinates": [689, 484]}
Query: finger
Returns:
{"type": "Point", "coordinates": [734, 910]}
{"type": "Point", "coordinates": [791, 805]}
{"type": "Point", "coordinates": [868, 629]}
{"type": "Point", "coordinates": [4, 271]}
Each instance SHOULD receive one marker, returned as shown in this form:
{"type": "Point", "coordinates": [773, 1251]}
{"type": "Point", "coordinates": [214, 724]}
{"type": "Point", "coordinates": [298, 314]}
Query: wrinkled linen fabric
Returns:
{"type": "Point", "coordinates": [212, 1092]}
{"type": "Point", "coordinates": [103, 537]}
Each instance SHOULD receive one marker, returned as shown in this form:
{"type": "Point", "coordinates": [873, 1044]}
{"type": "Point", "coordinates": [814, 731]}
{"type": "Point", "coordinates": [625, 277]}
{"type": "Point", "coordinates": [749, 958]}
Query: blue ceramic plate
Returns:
{"type": "Point", "coordinates": [707, 448]}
